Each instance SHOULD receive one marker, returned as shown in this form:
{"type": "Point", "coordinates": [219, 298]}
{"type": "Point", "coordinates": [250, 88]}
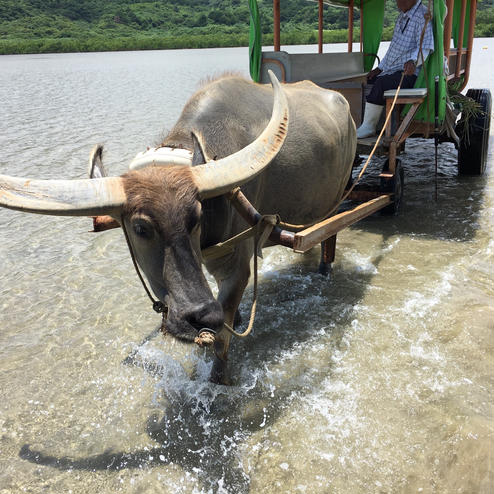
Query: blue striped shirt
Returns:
{"type": "Point", "coordinates": [405, 43]}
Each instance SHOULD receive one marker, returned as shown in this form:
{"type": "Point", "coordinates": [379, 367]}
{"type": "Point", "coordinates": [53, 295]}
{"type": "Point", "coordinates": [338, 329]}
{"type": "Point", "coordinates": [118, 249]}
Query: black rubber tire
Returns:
{"type": "Point", "coordinates": [394, 185]}
{"type": "Point", "coordinates": [472, 153]}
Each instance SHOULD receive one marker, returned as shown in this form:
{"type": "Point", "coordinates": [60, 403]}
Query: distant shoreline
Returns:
{"type": "Point", "coordinates": [221, 40]}
{"type": "Point", "coordinates": [75, 45]}
{"type": "Point", "coordinates": [95, 44]}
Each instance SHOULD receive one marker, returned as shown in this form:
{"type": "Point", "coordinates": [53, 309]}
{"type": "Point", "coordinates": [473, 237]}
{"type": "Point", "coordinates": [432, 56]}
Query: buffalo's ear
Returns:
{"type": "Point", "coordinates": [96, 168]}
{"type": "Point", "coordinates": [199, 156]}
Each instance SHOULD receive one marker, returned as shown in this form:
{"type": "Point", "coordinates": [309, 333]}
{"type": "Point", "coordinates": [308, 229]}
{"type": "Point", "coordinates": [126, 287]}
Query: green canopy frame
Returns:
{"type": "Point", "coordinates": [450, 18]}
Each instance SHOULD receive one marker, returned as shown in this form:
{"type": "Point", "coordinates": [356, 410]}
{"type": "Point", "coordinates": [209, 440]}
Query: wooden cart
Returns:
{"type": "Point", "coordinates": [346, 72]}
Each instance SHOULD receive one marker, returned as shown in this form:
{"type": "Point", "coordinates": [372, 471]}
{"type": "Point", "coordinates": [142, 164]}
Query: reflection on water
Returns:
{"type": "Point", "coordinates": [378, 380]}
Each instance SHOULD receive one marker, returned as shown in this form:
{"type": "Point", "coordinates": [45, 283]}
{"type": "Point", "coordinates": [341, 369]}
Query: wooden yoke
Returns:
{"type": "Point", "coordinates": [300, 241]}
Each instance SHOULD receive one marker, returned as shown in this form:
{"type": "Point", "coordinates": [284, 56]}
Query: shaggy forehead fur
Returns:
{"type": "Point", "coordinates": [160, 192]}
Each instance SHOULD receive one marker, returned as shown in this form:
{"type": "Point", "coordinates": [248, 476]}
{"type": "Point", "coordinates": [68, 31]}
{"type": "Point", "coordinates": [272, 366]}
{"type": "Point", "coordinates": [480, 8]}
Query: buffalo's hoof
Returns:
{"type": "Point", "coordinates": [219, 372]}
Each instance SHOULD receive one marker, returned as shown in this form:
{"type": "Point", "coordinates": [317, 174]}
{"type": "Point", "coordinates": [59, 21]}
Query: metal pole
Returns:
{"type": "Point", "coordinates": [436, 126]}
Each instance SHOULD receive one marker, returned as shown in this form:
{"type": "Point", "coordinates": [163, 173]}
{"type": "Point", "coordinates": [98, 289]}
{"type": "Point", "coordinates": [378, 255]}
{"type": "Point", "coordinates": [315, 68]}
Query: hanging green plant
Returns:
{"type": "Point", "coordinates": [469, 108]}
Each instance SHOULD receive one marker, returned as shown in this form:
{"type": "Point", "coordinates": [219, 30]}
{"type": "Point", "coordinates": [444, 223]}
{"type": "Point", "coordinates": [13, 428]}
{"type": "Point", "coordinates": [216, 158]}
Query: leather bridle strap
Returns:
{"type": "Point", "coordinates": [158, 306]}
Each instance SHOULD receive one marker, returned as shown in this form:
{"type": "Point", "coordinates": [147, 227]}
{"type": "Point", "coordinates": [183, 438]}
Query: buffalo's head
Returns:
{"type": "Point", "coordinates": [160, 207]}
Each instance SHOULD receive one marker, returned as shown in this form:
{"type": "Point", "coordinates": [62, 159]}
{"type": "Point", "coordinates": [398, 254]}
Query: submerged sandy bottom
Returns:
{"type": "Point", "coordinates": [376, 380]}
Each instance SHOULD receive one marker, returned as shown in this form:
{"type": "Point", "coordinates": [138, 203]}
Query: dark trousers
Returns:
{"type": "Point", "coordinates": [382, 83]}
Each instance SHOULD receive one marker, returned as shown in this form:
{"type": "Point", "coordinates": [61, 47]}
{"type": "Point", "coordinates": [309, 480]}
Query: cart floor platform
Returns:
{"type": "Point", "coordinates": [365, 145]}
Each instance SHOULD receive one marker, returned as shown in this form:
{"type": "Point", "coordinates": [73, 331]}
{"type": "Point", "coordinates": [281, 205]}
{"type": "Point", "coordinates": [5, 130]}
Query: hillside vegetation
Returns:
{"type": "Point", "coordinates": [40, 26]}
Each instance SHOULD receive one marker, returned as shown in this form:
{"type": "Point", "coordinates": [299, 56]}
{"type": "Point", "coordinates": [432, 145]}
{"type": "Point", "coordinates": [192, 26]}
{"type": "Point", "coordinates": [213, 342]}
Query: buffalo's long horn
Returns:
{"type": "Point", "coordinates": [87, 197]}
{"type": "Point", "coordinates": [218, 177]}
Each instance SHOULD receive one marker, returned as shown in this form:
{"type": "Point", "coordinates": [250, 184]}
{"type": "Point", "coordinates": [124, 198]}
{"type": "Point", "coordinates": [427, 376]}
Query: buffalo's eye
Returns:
{"type": "Point", "coordinates": [194, 218]}
{"type": "Point", "coordinates": [143, 229]}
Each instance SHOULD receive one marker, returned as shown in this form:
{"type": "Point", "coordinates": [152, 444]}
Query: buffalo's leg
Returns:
{"type": "Point", "coordinates": [328, 249]}
{"type": "Point", "coordinates": [238, 319]}
{"type": "Point", "coordinates": [220, 373]}
{"type": "Point", "coordinates": [236, 271]}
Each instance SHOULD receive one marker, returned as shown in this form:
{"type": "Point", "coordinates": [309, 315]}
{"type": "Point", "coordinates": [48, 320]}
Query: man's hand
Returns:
{"type": "Point", "coordinates": [373, 73]}
{"type": "Point", "coordinates": [409, 67]}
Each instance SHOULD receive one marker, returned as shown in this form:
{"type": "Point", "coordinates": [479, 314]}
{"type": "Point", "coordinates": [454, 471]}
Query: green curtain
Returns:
{"type": "Point", "coordinates": [255, 42]}
{"type": "Point", "coordinates": [372, 12]}
{"type": "Point", "coordinates": [456, 23]}
{"type": "Point", "coordinates": [434, 66]}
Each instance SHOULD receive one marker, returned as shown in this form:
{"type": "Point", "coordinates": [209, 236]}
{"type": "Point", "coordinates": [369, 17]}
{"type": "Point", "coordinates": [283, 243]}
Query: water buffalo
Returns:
{"type": "Point", "coordinates": [177, 207]}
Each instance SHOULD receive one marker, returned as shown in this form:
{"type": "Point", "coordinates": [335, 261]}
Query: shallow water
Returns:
{"type": "Point", "coordinates": [377, 380]}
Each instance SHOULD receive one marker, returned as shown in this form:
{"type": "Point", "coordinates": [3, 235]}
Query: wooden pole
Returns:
{"type": "Point", "coordinates": [320, 35]}
{"type": "Point", "coordinates": [308, 238]}
{"type": "Point", "coordinates": [460, 37]}
{"type": "Point", "coordinates": [328, 251]}
{"type": "Point", "coordinates": [276, 24]}
{"type": "Point", "coordinates": [361, 26]}
{"type": "Point", "coordinates": [448, 28]}
{"type": "Point", "coordinates": [103, 223]}
{"type": "Point", "coordinates": [471, 28]}
{"type": "Point", "coordinates": [350, 26]}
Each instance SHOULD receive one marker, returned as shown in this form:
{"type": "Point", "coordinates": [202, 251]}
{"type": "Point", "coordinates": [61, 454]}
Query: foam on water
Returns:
{"type": "Point", "coordinates": [419, 304]}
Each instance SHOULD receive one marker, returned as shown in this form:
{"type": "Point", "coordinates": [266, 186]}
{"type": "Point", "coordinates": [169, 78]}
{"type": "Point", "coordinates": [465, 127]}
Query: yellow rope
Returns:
{"type": "Point", "coordinates": [289, 226]}
{"type": "Point", "coordinates": [254, 298]}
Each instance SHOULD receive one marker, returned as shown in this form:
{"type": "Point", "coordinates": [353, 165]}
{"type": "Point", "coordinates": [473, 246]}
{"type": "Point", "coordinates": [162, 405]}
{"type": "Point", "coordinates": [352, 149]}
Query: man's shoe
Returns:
{"type": "Point", "coordinates": [372, 114]}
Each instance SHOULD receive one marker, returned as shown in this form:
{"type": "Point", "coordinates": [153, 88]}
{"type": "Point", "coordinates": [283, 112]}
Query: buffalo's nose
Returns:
{"type": "Point", "coordinates": [208, 315]}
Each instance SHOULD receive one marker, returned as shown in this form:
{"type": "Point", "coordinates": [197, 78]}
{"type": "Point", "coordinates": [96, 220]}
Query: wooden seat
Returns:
{"type": "Point", "coordinates": [418, 92]}
{"type": "Point", "coordinates": [342, 72]}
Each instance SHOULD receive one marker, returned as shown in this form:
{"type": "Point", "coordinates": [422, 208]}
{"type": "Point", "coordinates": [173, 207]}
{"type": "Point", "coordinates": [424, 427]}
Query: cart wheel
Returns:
{"type": "Point", "coordinates": [395, 186]}
{"type": "Point", "coordinates": [474, 140]}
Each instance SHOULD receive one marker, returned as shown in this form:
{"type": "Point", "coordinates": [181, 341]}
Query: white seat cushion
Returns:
{"type": "Point", "coordinates": [417, 92]}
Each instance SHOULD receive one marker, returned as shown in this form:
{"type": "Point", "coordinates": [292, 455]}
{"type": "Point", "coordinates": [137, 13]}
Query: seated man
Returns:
{"type": "Point", "coordinates": [402, 56]}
